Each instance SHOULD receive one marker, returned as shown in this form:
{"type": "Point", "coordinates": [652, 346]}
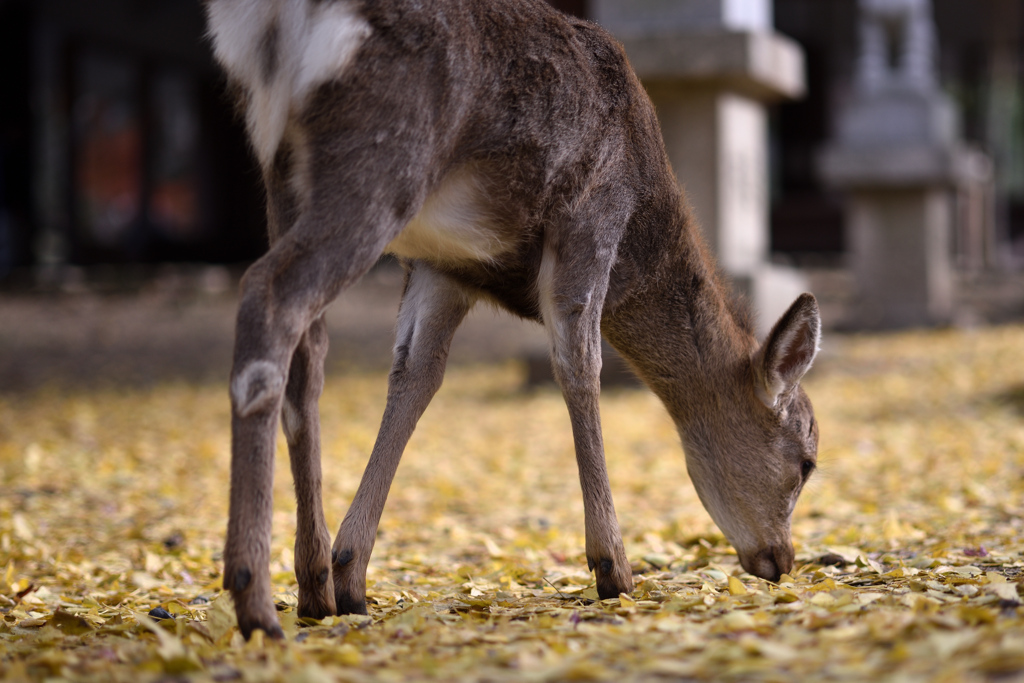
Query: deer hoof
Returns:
{"type": "Point", "coordinates": [272, 630]}
{"type": "Point", "coordinates": [349, 605]}
{"type": "Point", "coordinates": [349, 582]}
{"type": "Point", "coordinates": [251, 595]}
{"type": "Point", "coordinates": [256, 616]}
{"type": "Point", "coordinates": [612, 580]}
{"type": "Point", "coordinates": [317, 602]}
{"type": "Point", "coordinates": [315, 607]}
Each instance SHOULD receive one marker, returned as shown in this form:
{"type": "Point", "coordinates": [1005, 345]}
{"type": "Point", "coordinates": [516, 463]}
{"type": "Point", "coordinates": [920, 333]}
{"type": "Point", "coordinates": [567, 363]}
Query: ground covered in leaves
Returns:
{"type": "Point", "coordinates": [909, 541]}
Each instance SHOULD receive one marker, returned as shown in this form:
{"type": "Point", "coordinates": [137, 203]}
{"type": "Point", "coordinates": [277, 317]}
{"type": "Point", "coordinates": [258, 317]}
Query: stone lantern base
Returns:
{"type": "Point", "coordinates": [899, 225]}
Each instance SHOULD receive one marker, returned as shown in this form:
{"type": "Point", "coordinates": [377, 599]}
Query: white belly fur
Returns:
{"type": "Point", "coordinates": [455, 225]}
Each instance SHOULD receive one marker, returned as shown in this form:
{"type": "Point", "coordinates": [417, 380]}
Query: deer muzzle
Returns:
{"type": "Point", "coordinates": [770, 562]}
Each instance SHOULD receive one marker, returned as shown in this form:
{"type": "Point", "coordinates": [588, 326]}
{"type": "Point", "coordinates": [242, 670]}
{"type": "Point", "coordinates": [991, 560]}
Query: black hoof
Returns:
{"type": "Point", "coordinates": [272, 631]}
{"type": "Point", "coordinates": [347, 605]}
{"type": "Point", "coordinates": [317, 610]}
{"type": "Point", "coordinates": [611, 583]}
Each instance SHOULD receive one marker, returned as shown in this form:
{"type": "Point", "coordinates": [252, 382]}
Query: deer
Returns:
{"type": "Point", "coordinates": [504, 152]}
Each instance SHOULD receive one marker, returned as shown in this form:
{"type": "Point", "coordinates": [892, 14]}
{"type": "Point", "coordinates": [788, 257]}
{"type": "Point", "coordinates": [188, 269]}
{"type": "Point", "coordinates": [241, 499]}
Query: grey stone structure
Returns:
{"type": "Point", "coordinates": [897, 156]}
{"type": "Point", "coordinates": [711, 67]}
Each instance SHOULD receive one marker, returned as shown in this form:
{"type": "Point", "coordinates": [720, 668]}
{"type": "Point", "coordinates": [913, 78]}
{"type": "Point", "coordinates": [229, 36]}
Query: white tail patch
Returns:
{"type": "Point", "coordinates": [313, 44]}
{"type": "Point", "coordinates": [454, 225]}
{"type": "Point", "coordinates": [236, 28]}
{"type": "Point", "coordinates": [334, 35]}
{"type": "Point", "coordinates": [266, 118]}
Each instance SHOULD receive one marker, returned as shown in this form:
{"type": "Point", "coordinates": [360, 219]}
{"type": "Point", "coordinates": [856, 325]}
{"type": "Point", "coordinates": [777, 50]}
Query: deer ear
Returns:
{"type": "Point", "coordinates": [788, 351]}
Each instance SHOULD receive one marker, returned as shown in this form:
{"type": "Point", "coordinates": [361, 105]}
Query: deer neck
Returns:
{"type": "Point", "coordinates": [685, 336]}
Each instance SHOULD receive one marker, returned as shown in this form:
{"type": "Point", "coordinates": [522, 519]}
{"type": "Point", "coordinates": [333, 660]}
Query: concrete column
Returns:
{"type": "Point", "coordinates": [655, 16]}
{"type": "Point", "coordinates": [899, 227]}
{"type": "Point", "coordinates": [717, 143]}
{"type": "Point", "coordinates": [901, 240]}
{"type": "Point", "coordinates": [711, 67]}
{"type": "Point", "coordinates": [897, 156]}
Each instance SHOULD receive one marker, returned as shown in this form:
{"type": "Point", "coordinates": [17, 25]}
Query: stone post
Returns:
{"type": "Point", "coordinates": [711, 67]}
{"type": "Point", "coordinates": [897, 156]}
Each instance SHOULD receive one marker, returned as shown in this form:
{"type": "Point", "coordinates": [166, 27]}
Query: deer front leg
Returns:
{"type": "Point", "coordinates": [571, 303]}
{"type": "Point", "coordinates": [432, 308]}
{"type": "Point", "coordinates": [300, 418]}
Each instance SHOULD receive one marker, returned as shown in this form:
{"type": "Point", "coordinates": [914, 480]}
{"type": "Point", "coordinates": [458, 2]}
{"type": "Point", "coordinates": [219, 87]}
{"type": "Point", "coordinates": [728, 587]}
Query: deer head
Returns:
{"type": "Point", "coordinates": [751, 449]}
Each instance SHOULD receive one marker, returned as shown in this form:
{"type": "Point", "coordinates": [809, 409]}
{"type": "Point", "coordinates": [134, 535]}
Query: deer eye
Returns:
{"type": "Point", "coordinates": [806, 467]}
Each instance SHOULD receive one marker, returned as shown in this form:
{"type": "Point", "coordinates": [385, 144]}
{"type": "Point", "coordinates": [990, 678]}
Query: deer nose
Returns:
{"type": "Point", "coordinates": [770, 562]}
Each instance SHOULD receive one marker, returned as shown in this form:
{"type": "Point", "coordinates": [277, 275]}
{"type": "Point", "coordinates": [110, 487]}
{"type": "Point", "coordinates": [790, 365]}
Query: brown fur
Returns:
{"type": "Point", "coordinates": [567, 158]}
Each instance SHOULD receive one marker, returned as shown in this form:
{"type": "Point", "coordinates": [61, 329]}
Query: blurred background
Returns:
{"type": "Point", "coordinates": [124, 172]}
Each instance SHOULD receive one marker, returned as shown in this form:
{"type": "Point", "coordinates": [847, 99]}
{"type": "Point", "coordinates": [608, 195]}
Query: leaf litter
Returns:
{"type": "Point", "coordinates": [910, 540]}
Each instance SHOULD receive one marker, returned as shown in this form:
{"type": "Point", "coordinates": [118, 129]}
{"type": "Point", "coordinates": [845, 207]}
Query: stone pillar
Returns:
{"type": "Point", "coordinates": [897, 156]}
{"type": "Point", "coordinates": [903, 271]}
{"type": "Point", "coordinates": [711, 67]}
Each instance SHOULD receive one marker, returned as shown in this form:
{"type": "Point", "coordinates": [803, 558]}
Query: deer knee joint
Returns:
{"type": "Point", "coordinates": [256, 387]}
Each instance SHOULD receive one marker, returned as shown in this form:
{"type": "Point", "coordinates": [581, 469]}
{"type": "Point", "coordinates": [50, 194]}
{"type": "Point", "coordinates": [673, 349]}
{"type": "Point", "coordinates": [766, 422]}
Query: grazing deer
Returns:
{"type": "Point", "coordinates": [503, 152]}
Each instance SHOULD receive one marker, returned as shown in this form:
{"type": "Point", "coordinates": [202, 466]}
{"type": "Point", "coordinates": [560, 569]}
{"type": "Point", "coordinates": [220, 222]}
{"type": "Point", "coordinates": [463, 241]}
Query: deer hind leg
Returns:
{"type": "Point", "coordinates": [301, 421]}
{"type": "Point", "coordinates": [571, 299]}
{"type": "Point", "coordinates": [282, 294]}
{"type": "Point", "coordinates": [432, 308]}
